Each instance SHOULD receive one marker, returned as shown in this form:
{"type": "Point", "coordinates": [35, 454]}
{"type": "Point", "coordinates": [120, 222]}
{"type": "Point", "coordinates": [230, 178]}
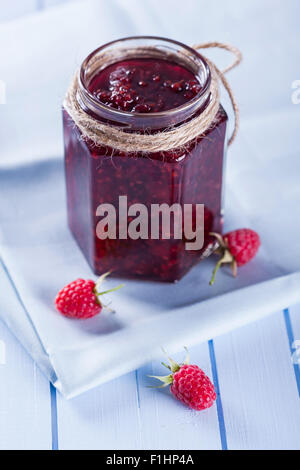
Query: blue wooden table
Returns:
{"type": "Point", "coordinates": [258, 389]}
{"type": "Point", "coordinates": [254, 369]}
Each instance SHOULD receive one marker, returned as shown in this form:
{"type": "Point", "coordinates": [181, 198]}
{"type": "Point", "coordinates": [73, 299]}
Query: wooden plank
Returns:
{"type": "Point", "coordinates": [168, 424]}
{"type": "Point", "coordinates": [292, 319]}
{"type": "Point", "coordinates": [253, 366]}
{"type": "Point", "coordinates": [125, 414]}
{"type": "Point", "coordinates": [258, 387]}
{"type": "Point", "coordinates": [24, 400]}
{"type": "Point", "coordinates": [104, 418]}
{"type": "Point", "coordinates": [24, 393]}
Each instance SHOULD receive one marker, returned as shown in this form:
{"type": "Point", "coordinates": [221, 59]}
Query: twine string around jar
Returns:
{"type": "Point", "coordinates": [221, 74]}
{"type": "Point", "coordinates": [103, 134]}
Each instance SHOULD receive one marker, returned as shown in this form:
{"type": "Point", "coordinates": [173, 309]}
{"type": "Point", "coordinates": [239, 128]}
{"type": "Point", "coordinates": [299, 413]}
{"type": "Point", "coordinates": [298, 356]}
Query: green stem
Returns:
{"type": "Point", "coordinates": [218, 265]}
{"type": "Point", "coordinates": [110, 290]}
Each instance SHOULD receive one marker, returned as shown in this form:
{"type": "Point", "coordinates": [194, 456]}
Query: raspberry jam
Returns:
{"type": "Point", "coordinates": [145, 94]}
{"type": "Point", "coordinates": [145, 85]}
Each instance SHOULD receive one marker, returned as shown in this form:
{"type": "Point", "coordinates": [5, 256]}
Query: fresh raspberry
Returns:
{"type": "Point", "coordinates": [190, 385]}
{"type": "Point", "coordinates": [237, 248]}
{"type": "Point", "coordinates": [80, 298]}
{"type": "Point", "coordinates": [243, 244]}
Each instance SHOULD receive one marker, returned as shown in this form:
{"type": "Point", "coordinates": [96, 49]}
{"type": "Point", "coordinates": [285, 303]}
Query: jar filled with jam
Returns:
{"type": "Point", "coordinates": [144, 85]}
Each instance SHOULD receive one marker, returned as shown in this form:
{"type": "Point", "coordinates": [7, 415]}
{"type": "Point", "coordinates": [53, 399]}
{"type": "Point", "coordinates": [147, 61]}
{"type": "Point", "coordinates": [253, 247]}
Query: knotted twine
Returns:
{"type": "Point", "coordinates": [102, 134]}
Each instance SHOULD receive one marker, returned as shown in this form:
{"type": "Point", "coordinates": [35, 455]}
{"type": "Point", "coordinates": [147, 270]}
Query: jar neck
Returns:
{"type": "Point", "coordinates": [143, 47]}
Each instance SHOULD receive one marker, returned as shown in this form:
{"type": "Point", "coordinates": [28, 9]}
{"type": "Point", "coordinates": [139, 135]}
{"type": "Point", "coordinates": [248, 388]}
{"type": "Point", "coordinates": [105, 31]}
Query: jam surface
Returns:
{"type": "Point", "coordinates": [144, 85]}
{"type": "Point", "coordinates": [99, 175]}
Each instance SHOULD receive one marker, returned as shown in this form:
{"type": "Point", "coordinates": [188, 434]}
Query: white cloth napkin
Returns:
{"type": "Point", "coordinates": [38, 253]}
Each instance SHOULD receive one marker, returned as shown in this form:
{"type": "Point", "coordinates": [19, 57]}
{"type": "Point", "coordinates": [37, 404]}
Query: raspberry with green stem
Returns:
{"type": "Point", "coordinates": [80, 298]}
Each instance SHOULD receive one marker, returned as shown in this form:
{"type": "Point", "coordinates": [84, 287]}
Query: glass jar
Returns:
{"type": "Point", "coordinates": [97, 175]}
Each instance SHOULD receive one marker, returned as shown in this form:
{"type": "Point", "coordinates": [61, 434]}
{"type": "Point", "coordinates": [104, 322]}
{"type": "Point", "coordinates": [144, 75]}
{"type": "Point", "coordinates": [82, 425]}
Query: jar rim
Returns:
{"type": "Point", "coordinates": [150, 120]}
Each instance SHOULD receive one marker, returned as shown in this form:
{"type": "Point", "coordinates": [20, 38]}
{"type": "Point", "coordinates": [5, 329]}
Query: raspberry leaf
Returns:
{"type": "Point", "coordinates": [187, 360]}
{"type": "Point", "coordinates": [167, 380]}
{"type": "Point", "coordinates": [100, 280]}
{"type": "Point", "coordinates": [174, 366]}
